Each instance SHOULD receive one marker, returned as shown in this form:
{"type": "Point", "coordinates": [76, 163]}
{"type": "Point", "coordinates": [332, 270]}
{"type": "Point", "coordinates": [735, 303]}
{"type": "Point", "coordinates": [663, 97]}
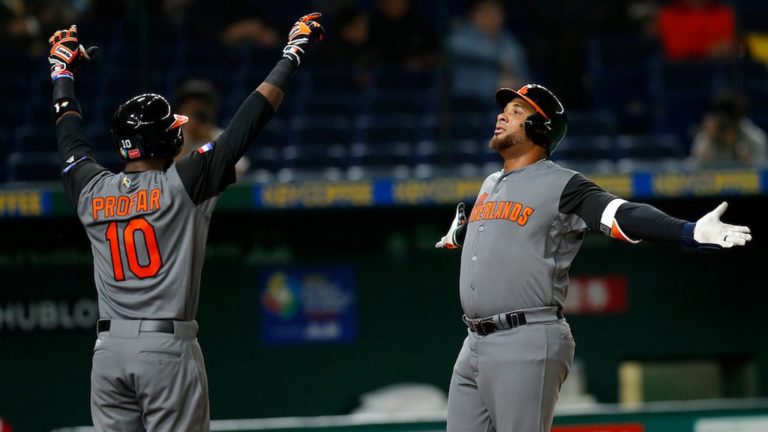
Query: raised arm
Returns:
{"type": "Point", "coordinates": [77, 164]}
{"type": "Point", "coordinates": [632, 222]}
{"type": "Point", "coordinates": [208, 170]}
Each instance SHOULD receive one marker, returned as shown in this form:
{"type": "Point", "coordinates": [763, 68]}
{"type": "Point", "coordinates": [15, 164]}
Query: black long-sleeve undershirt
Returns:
{"type": "Point", "coordinates": [638, 221]}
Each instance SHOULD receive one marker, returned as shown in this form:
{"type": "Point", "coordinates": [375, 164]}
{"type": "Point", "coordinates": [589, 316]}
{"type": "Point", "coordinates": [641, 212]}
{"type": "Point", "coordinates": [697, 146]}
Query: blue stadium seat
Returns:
{"type": "Point", "coordinates": [357, 172]}
{"type": "Point", "coordinates": [464, 170]}
{"type": "Point", "coordinates": [472, 126]}
{"type": "Point", "coordinates": [649, 147]}
{"type": "Point", "coordinates": [392, 154]}
{"type": "Point", "coordinates": [398, 103]}
{"type": "Point", "coordinates": [35, 138]}
{"type": "Point", "coordinates": [585, 148]}
{"type": "Point", "coordinates": [313, 156]}
{"type": "Point", "coordinates": [383, 130]}
{"type": "Point", "coordinates": [599, 122]}
{"type": "Point", "coordinates": [399, 78]}
{"type": "Point", "coordinates": [322, 130]}
{"type": "Point", "coordinates": [461, 152]}
{"type": "Point", "coordinates": [309, 174]}
{"type": "Point", "coordinates": [649, 153]}
{"type": "Point", "coordinates": [263, 157]}
{"type": "Point", "coordinates": [33, 166]}
{"type": "Point", "coordinates": [324, 102]}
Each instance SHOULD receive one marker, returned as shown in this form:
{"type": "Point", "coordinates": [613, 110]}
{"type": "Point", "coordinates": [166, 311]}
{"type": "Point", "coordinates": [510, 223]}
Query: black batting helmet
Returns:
{"type": "Point", "coordinates": [145, 127]}
{"type": "Point", "coordinates": [548, 125]}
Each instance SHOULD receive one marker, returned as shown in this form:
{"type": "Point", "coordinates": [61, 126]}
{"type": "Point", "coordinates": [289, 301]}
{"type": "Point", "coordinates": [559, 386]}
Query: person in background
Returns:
{"type": "Point", "coordinates": [483, 55]}
{"type": "Point", "coordinates": [399, 35]}
{"type": "Point", "coordinates": [727, 136]}
{"type": "Point", "coordinates": [351, 46]}
{"type": "Point", "coordinates": [697, 29]}
{"type": "Point", "coordinates": [199, 100]}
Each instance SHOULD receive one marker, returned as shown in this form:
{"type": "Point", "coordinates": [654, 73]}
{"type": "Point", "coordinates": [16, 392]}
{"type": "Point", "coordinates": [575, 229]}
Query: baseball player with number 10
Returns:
{"type": "Point", "coordinates": [518, 243]}
{"type": "Point", "coordinates": [148, 227]}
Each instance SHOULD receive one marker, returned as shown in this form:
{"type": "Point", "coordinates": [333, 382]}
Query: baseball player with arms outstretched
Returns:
{"type": "Point", "coordinates": [518, 243]}
{"type": "Point", "coordinates": [148, 227]}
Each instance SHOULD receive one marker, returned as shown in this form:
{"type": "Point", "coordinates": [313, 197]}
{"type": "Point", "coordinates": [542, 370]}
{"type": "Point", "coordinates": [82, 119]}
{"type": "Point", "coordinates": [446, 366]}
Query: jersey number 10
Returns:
{"type": "Point", "coordinates": [129, 245]}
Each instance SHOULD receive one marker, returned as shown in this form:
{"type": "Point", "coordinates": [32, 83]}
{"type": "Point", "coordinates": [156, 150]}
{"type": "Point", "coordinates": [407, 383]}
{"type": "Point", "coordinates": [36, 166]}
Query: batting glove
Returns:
{"type": "Point", "coordinates": [709, 232]}
{"type": "Point", "coordinates": [66, 53]}
{"type": "Point", "coordinates": [456, 232]}
{"type": "Point", "coordinates": [305, 31]}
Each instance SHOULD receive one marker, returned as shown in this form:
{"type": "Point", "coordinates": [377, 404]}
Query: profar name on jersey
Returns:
{"type": "Point", "coordinates": [139, 202]}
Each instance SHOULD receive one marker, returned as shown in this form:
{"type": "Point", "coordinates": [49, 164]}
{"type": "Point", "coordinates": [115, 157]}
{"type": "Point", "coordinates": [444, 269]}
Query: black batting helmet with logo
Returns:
{"type": "Point", "coordinates": [145, 127]}
{"type": "Point", "coordinates": [548, 125]}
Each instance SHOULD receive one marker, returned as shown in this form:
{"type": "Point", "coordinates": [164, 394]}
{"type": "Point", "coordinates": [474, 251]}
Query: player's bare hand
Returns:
{"type": "Point", "coordinates": [306, 31]}
{"type": "Point", "coordinates": [455, 236]}
{"type": "Point", "coordinates": [710, 230]}
{"type": "Point", "coordinates": [66, 53]}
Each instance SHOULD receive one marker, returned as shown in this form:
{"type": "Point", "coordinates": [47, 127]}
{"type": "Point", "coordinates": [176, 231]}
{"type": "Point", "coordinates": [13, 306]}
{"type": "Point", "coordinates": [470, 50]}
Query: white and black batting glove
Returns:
{"type": "Point", "coordinates": [304, 32]}
{"type": "Point", "coordinates": [66, 53]}
{"type": "Point", "coordinates": [456, 233]}
{"type": "Point", "coordinates": [710, 233]}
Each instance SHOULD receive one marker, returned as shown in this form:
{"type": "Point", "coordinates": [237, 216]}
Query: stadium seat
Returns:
{"type": "Point", "coordinates": [648, 147]}
{"type": "Point", "coordinates": [263, 157]}
{"type": "Point", "coordinates": [469, 126]}
{"type": "Point", "coordinates": [585, 148]}
{"type": "Point", "coordinates": [398, 78]}
{"type": "Point", "coordinates": [383, 130]}
{"type": "Point", "coordinates": [464, 170]}
{"type": "Point", "coordinates": [322, 130]}
{"type": "Point", "coordinates": [35, 138]}
{"type": "Point", "coordinates": [461, 152]}
{"type": "Point", "coordinates": [309, 174]}
{"type": "Point", "coordinates": [396, 103]}
{"type": "Point", "coordinates": [392, 154]}
{"type": "Point", "coordinates": [357, 172]}
{"type": "Point", "coordinates": [648, 153]}
{"type": "Point", "coordinates": [591, 123]}
{"type": "Point", "coordinates": [317, 155]}
{"type": "Point", "coordinates": [32, 166]}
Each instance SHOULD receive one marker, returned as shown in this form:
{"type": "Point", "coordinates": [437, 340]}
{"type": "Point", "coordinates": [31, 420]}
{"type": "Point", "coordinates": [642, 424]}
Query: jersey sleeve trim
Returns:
{"type": "Point", "coordinates": [608, 224]}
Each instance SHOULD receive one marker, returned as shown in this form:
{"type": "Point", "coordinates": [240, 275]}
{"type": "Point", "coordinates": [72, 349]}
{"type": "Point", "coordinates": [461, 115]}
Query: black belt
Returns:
{"type": "Point", "coordinates": [145, 326]}
{"type": "Point", "coordinates": [487, 326]}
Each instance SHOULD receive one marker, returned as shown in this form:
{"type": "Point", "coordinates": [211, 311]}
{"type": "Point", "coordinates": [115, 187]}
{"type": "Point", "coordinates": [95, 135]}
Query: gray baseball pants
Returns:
{"type": "Point", "coordinates": [509, 380]}
{"type": "Point", "coordinates": [149, 380]}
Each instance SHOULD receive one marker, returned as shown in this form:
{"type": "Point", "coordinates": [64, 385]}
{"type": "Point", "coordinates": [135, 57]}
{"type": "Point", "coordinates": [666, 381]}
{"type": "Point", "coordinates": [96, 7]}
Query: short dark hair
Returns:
{"type": "Point", "coordinates": [729, 104]}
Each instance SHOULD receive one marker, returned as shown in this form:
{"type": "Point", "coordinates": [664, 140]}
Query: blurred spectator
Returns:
{"type": "Point", "coordinates": [55, 15]}
{"type": "Point", "coordinates": [236, 23]}
{"type": "Point", "coordinates": [483, 55]}
{"type": "Point", "coordinates": [399, 35]}
{"type": "Point", "coordinates": [696, 29]}
{"type": "Point", "coordinates": [199, 100]}
{"type": "Point", "coordinates": [350, 43]}
{"type": "Point", "coordinates": [19, 28]}
{"type": "Point", "coordinates": [727, 136]}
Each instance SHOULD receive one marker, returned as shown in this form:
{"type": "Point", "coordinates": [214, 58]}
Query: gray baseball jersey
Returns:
{"type": "Point", "coordinates": [148, 241]}
{"type": "Point", "coordinates": [519, 245]}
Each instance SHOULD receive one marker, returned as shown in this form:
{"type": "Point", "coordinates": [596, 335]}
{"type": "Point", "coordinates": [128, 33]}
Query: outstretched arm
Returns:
{"type": "Point", "coordinates": [632, 222]}
{"type": "Point", "coordinates": [75, 156]}
{"type": "Point", "coordinates": [211, 168]}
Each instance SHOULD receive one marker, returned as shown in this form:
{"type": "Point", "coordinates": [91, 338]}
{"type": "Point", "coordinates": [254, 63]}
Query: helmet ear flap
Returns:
{"type": "Point", "coordinates": [538, 128]}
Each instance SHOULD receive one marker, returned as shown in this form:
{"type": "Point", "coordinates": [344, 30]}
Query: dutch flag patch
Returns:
{"type": "Point", "coordinates": [205, 148]}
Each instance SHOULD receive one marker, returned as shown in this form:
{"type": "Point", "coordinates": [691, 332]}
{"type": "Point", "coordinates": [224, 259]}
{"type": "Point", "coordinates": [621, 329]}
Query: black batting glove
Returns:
{"type": "Point", "coordinates": [66, 53]}
{"type": "Point", "coordinates": [304, 32]}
